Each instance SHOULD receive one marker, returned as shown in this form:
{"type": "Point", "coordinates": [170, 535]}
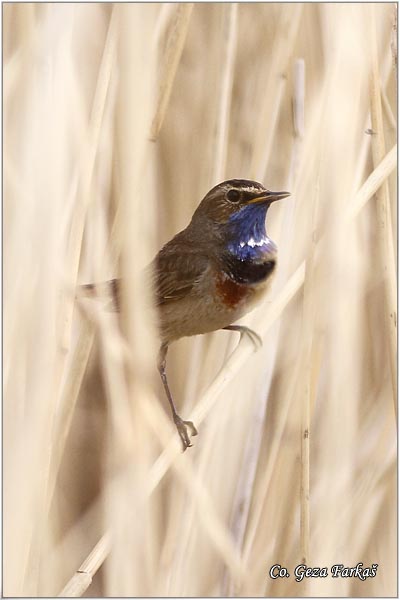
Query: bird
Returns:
{"type": "Point", "coordinates": [211, 273]}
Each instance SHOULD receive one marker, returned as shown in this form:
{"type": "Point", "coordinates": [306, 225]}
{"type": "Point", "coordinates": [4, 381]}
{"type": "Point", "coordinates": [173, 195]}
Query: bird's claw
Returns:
{"type": "Point", "coordinates": [253, 336]}
{"type": "Point", "coordinates": [243, 330]}
{"type": "Point", "coordinates": [182, 427]}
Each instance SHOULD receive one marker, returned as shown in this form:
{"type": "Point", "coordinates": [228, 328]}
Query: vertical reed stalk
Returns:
{"type": "Point", "coordinates": [173, 52]}
{"type": "Point", "coordinates": [384, 218]}
{"type": "Point", "coordinates": [230, 24]}
{"type": "Point", "coordinates": [306, 377]}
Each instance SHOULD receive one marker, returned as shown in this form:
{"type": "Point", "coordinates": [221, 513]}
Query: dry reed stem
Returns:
{"type": "Point", "coordinates": [374, 181]}
{"type": "Point", "coordinates": [394, 36]}
{"type": "Point", "coordinates": [307, 376]}
{"type": "Point", "coordinates": [83, 577]}
{"type": "Point", "coordinates": [268, 473]}
{"type": "Point", "coordinates": [84, 344]}
{"type": "Point", "coordinates": [223, 97]}
{"type": "Point", "coordinates": [172, 450]}
{"type": "Point", "coordinates": [389, 113]}
{"type": "Point", "coordinates": [229, 41]}
{"type": "Point", "coordinates": [383, 212]}
{"type": "Point", "coordinates": [299, 97]}
{"type": "Point", "coordinates": [87, 168]}
{"type": "Point", "coordinates": [286, 33]}
{"type": "Point", "coordinates": [163, 20]}
{"type": "Point", "coordinates": [127, 375]}
{"type": "Point", "coordinates": [66, 307]}
{"type": "Point", "coordinates": [271, 314]}
{"type": "Point", "coordinates": [286, 237]}
{"type": "Point", "coordinates": [69, 396]}
{"type": "Point", "coordinates": [179, 17]}
{"type": "Point", "coordinates": [217, 531]}
{"type": "Point", "coordinates": [307, 334]}
{"type": "Point", "coordinates": [365, 193]}
{"type": "Point", "coordinates": [173, 53]}
{"type": "Point", "coordinates": [247, 475]}
{"type": "Point", "coordinates": [373, 482]}
{"type": "Point", "coordinates": [28, 41]}
{"type": "Point", "coordinates": [194, 566]}
{"type": "Point", "coordinates": [218, 534]}
{"type": "Point", "coordinates": [82, 350]}
{"type": "Point", "coordinates": [243, 351]}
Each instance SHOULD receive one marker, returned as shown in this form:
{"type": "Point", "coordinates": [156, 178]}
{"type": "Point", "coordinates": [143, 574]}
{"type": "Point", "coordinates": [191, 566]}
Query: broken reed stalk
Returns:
{"type": "Point", "coordinates": [384, 217]}
{"type": "Point", "coordinates": [172, 449]}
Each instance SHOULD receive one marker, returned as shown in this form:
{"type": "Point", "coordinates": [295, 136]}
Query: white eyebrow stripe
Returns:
{"type": "Point", "coordinates": [252, 189]}
{"type": "Point", "coordinates": [248, 188]}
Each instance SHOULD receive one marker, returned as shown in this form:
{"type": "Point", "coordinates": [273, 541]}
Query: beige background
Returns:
{"type": "Point", "coordinates": [117, 121]}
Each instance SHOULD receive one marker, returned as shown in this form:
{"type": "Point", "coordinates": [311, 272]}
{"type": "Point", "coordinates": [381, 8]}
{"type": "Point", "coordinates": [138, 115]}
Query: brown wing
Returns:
{"type": "Point", "coordinates": [175, 271]}
{"type": "Point", "coordinates": [172, 274]}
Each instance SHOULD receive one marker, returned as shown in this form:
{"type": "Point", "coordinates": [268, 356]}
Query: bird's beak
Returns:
{"type": "Point", "coordinates": [268, 196]}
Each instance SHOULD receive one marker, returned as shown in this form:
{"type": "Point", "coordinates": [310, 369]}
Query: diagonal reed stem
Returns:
{"type": "Point", "coordinates": [171, 453]}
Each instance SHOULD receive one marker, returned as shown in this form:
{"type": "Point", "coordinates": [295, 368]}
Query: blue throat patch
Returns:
{"type": "Point", "coordinates": [248, 238]}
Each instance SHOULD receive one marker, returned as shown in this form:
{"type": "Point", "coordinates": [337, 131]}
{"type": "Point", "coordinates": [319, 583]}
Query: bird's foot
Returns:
{"type": "Point", "coordinates": [243, 330]}
{"type": "Point", "coordinates": [182, 427]}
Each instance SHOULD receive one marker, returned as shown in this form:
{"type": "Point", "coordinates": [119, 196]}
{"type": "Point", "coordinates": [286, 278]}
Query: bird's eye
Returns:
{"type": "Point", "coordinates": [233, 196]}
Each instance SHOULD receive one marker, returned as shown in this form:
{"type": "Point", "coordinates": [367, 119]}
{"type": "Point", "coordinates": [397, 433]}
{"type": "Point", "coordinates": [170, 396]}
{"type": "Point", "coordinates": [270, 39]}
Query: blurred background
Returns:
{"type": "Point", "coordinates": [117, 120]}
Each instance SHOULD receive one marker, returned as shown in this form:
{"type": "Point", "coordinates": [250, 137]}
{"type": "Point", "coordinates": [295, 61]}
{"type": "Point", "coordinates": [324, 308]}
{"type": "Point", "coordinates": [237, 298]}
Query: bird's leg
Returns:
{"type": "Point", "coordinates": [180, 424]}
{"type": "Point", "coordinates": [243, 330]}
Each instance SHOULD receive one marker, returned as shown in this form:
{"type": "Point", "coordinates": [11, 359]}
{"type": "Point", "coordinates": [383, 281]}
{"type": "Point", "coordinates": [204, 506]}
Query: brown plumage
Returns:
{"type": "Point", "coordinates": [211, 273]}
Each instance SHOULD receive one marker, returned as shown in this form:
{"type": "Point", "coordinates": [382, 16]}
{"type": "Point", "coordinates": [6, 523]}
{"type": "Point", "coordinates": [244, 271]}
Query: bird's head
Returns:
{"type": "Point", "coordinates": [236, 209]}
{"type": "Point", "coordinates": [229, 198]}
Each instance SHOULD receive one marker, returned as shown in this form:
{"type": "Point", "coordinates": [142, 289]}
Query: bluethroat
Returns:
{"type": "Point", "coordinates": [211, 273]}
